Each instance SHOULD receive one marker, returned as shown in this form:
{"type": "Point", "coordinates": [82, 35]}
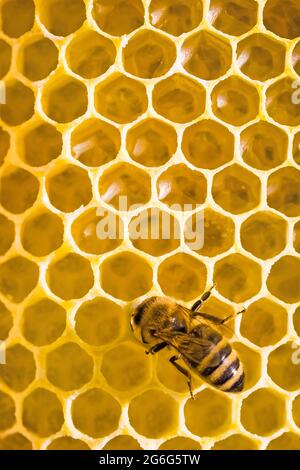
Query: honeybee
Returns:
{"type": "Point", "coordinates": [196, 336]}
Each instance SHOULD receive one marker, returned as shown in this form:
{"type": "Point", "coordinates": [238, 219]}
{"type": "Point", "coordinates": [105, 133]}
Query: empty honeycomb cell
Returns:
{"type": "Point", "coordinates": [19, 369]}
{"type": "Point", "coordinates": [209, 414]}
{"type": "Point", "coordinates": [234, 17]}
{"type": "Point", "coordinates": [68, 187]}
{"type": "Point", "coordinates": [96, 413]}
{"type": "Point", "coordinates": [218, 233]}
{"type": "Point", "coordinates": [15, 441]}
{"type": "Point", "coordinates": [296, 148]}
{"type": "Point", "coordinates": [287, 441]}
{"type": "Point", "coordinates": [99, 321]}
{"type": "Point", "coordinates": [64, 99]}
{"type": "Point", "coordinates": [264, 234]}
{"type": "Point", "coordinates": [90, 55]}
{"type": "Point", "coordinates": [208, 144]}
{"type": "Point", "coordinates": [282, 18]}
{"type": "Point", "coordinates": [284, 278]}
{"type": "Point", "coordinates": [175, 17]}
{"type": "Point", "coordinates": [297, 237]}
{"type": "Point", "coordinates": [18, 189]}
{"type": "Point", "coordinates": [179, 186]}
{"type": "Point", "coordinates": [42, 412]}
{"type": "Point", "coordinates": [5, 58]}
{"type": "Point", "coordinates": [92, 233]}
{"type": "Point", "coordinates": [7, 411]}
{"type": "Point", "coordinates": [69, 367]}
{"type": "Point", "coordinates": [153, 413]}
{"type": "Point", "coordinates": [284, 191]}
{"type": "Point", "coordinates": [61, 17]}
{"type": "Point", "coordinates": [148, 54]}
{"type": "Point", "coordinates": [260, 57]}
{"type": "Point", "coordinates": [151, 142]}
{"type": "Point", "coordinates": [263, 412]}
{"type": "Point", "coordinates": [264, 146]}
{"type": "Point", "coordinates": [70, 277]}
{"type": "Point", "coordinates": [126, 367]}
{"type": "Point", "coordinates": [6, 322]}
{"type": "Point", "coordinates": [18, 277]}
{"type": "Point", "coordinates": [179, 98]}
{"type": "Point", "coordinates": [43, 322]}
{"type": "Point", "coordinates": [236, 442]}
{"type": "Point", "coordinates": [67, 443]}
{"type": "Point", "coordinates": [120, 98]}
{"type": "Point", "coordinates": [7, 234]}
{"type": "Point", "coordinates": [42, 233]}
{"type": "Point", "coordinates": [17, 17]}
{"type": "Point", "coordinates": [126, 276]}
{"type": "Point", "coordinates": [235, 101]}
{"type": "Point", "coordinates": [251, 361]}
{"type": "Point", "coordinates": [182, 276]}
{"type": "Point", "coordinates": [122, 442]}
{"type": "Point", "coordinates": [264, 323]}
{"type": "Point", "coordinates": [296, 410]}
{"type": "Point", "coordinates": [236, 189]}
{"type": "Point", "coordinates": [206, 55]}
{"type": "Point", "coordinates": [118, 17]}
{"type": "Point", "coordinates": [180, 443]}
{"type": "Point", "coordinates": [38, 58]}
{"type": "Point", "coordinates": [4, 144]}
{"type": "Point", "coordinates": [19, 103]}
{"type": "Point", "coordinates": [296, 320]}
{"type": "Point", "coordinates": [283, 369]}
{"type": "Point", "coordinates": [124, 186]}
{"type": "Point", "coordinates": [237, 278]}
{"type": "Point", "coordinates": [296, 58]}
{"type": "Point", "coordinates": [155, 232]}
{"type": "Point", "coordinates": [282, 102]}
{"type": "Point", "coordinates": [40, 144]}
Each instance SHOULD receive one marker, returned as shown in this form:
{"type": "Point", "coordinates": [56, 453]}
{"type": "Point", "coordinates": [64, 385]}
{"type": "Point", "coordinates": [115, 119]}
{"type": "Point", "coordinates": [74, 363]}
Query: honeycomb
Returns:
{"type": "Point", "coordinates": [164, 102]}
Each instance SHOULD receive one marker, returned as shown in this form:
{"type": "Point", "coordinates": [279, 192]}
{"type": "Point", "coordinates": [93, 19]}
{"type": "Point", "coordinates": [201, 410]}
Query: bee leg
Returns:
{"type": "Point", "coordinates": [201, 301]}
{"type": "Point", "coordinates": [156, 348]}
{"type": "Point", "coordinates": [184, 371]}
{"type": "Point", "coordinates": [225, 320]}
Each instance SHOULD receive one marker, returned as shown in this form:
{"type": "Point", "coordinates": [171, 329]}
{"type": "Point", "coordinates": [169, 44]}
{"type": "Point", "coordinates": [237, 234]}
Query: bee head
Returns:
{"type": "Point", "coordinates": [141, 323]}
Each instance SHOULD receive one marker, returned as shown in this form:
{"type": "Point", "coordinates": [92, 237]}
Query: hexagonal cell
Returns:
{"type": "Point", "coordinates": [7, 411]}
{"type": "Point", "coordinates": [206, 55]}
{"type": "Point", "coordinates": [126, 367]}
{"type": "Point", "coordinates": [296, 148]}
{"type": "Point", "coordinates": [43, 322]}
{"type": "Point", "coordinates": [263, 412]}
{"type": "Point", "coordinates": [120, 98]}
{"type": "Point", "coordinates": [297, 237]}
{"type": "Point", "coordinates": [4, 144]}
{"type": "Point", "coordinates": [261, 57]}
{"type": "Point", "coordinates": [19, 103]}
{"type": "Point", "coordinates": [179, 186]}
{"type": "Point", "coordinates": [182, 276]}
{"type": "Point", "coordinates": [282, 369]}
{"type": "Point", "coordinates": [151, 142]}
{"type": "Point", "coordinates": [208, 144]}
{"type": "Point", "coordinates": [122, 442]}
{"type": "Point", "coordinates": [236, 442]}
{"type": "Point", "coordinates": [19, 370]}
{"type": "Point", "coordinates": [209, 414]}
{"type": "Point", "coordinates": [18, 190]}
{"type": "Point", "coordinates": [42, 233]}
{"type": "Point", "coordinates": [6, 322]}
{"type": "Point", "coordinates": [287, 441]}
{"type": "Point", "coordinates": [7, 234]}
{"type": "Point", "coordinates": [95, 142]}
{"type": "Point", "coordinates": [236, 189]}
{"type": "Point", "coordinates": [37, 58]}
{"type": "Point", "coordinates": [296, 410]}
{"type": "Point", "coordinates": [283, 280]}
{"type": "Point", "coordinates": [154, 231]}
{"type": "Point", "coordinates": [40, 144]}
{"type": "Point", "coordinates": [282, 102]}
{"type": "Point", "coordinates": [218, 233]}
{"type": "Point", "coordinates": [96, 413]}
{"type": "Point", "coordinates": [42, 412]}
{"type": "Point", "coordinates": [264, 234]}
{"type": "Point", "coordinates": [126, 276]}
{"type": "Point", "coordinates": [153, 414]}
{"type": "Point", "coordinates": [180, 443]}
{"type": "Point", "coordinates": [90, 55]}
{"type": "Point", "coordinates": [68, 187]}
{"type": "Point", "coordinates": [179, 98]}
{"type": "Point", "coordinates": [118, 17]}
{"type": "Point", "coordinates": [99, 321]}
{"type": "Point", "coordinates": [15, 441]}
{"type": "Point", "coordinates": [64, 99]}
{"type": "Point", "coordinates": [235, 101]}
{"type": "Point", "coordinates": [296, 58]}
{"type": "Point", "coordinates": [18, 277]}
{"type": "Point", "coordinates": [251, 361]}
{"type": "Point", "coordinates": [5, 58]}
{"type": "Point", "coordinates": [61, 17]}
{"type": "Point", "coordinates": [264, 323]}
{"type": "Point", "coordinates": [237, 278]}
{"type": "Point", "coordinates": [284, 191]}
{"type": "Point", "coordinates": [17, 17]}
{"type": "Point", "coordinates": [148, 54]}
{"type": "Point", "coordinates": [124, 186]}
{"type": "Point", "coordinates": [282, 18]}
{"type": "Point", "coordinates": [235, 17]}
{"type": "Point", "coordinates": [175, 16]}
{"type": "Point", "coordinates": [67, 443]}
{"type": "Point", "coordinates": [70, 277]}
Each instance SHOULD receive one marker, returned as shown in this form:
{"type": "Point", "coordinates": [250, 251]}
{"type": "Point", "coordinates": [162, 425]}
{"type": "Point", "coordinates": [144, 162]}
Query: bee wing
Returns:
{"type": "Point", "coordinates": [225, 330]}
{"type": "Point", "coordinates": [191, 347]}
